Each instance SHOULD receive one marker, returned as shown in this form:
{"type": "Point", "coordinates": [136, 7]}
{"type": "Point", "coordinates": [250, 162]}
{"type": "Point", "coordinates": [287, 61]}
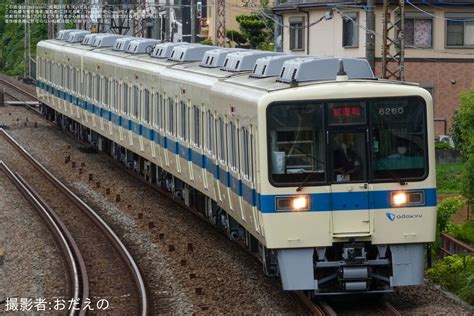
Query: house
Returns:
{"type": "Point", "coordinates": [439, 42]}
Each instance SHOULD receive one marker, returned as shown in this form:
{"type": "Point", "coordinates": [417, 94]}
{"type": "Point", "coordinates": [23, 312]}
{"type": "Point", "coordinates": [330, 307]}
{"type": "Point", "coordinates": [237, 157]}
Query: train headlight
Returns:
{"type": "Point", "coordinates": [411, 198]}
{"type": "Point", "coordinates": [292, 203]}
{"type": "Point", "coordinates": [399, 198]}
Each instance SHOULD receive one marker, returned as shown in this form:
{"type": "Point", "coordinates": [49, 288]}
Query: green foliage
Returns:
{"type": "Point", "coordinates": [468, 178]}
{"type": "Point", "coordinates": [255, 30]}
{"type": "Point", "coordinates": [464, 232]}
{"type": "Point", "coordinates": [207, 42]}
{"type": "Point", "coordinates": [464, 129]}
{"type": "Point", "coordinates": [446, 209]}
{"type": "Point", "coordinates": [455, 273]}
{"type": "Point", "coordinates": [455, 131]}
{"type": "Point", "coordinates": [442, 146]}
{"type": "Point", "coordinates": [236, 36]}
{"type": "Point", "coordinates": [11, 42]}
{"type": "Point", "coordinates": [449, 178]}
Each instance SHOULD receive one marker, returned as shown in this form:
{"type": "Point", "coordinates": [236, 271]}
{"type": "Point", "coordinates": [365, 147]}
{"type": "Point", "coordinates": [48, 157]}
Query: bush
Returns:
{"type": "Point", "coordinates": [446, 209]}
{"type": "Point", "coordinates": [442, 146]}
{"type": "Point", "coordinates": [464, 232]}
{"type": "Point", "coordinates": [207, 42]}
{"type": "Point", "coordinates": [449, 178]}
{"type": "Point", "coordinates": [464, 129]}
{"type": "Point", "coordinates": [455, 273]}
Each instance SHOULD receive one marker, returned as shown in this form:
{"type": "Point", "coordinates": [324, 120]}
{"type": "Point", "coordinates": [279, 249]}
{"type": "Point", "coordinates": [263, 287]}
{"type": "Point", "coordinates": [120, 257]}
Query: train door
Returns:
{"type": "Point", "coordinates": [348, 175]}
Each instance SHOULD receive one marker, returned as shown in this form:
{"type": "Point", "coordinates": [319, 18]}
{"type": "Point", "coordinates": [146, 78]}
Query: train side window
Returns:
{"type": "Point", "coordinates": [146, 106]}
{"type": "Point", "coordinates": [196, 126]}
{"type": "Point", "coordinates": [183, 128]}
{"type": "Point", "coordinates": [171, 121]}
{"type": "Point", "coordinates": [252, 157]}
{"type": "Point", "coordinates": [97, 88]}
{"type": "Point", "coordinates": [232, 146]}
{"type": "Point", "coordinates": [119, 96]}
{"type": "Point", "coordinates": [80, 85]}
{"type": "Point", "coordinates": [74, 80]}
{"type": "Point", "coordinates": [61, 76]}
{"type": "Point", "coordinates": [46, 70]}
{"type": "Point", "coordinates": [65, 75]}
{"type": "Point", "coordinates": [90, 85]}
{"type": "Point", "coordinates": [211, 129]}
{"type": "Point", "coordinates": [222, 136]}
{"type": "Point", "coordinates": [136, 101]}
{"type": "Point", "coordinates": [159, 109]}
{"type": "Point", "coordinates": [245, 168]}
{"type": "Point", "coordinates": [125, 98]}
{"type": "Point", "coordinates": [106, 92]}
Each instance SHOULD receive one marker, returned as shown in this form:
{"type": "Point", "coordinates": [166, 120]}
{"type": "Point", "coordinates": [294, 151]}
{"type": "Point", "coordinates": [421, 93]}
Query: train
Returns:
{"type": "Point", "coordinates": [323, 171]}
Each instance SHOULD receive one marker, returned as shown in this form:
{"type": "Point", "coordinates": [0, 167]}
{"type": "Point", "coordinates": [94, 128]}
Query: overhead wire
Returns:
{"type": "Point", "coordinates": [437, 16]}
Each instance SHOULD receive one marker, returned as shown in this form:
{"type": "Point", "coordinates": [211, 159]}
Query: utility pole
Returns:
{"type": "Point", "coordinates": [61, 15]}
{"type": "Point", "coordinates": [168, 21]}
{"type": "Point", "coordinates": [220, 23]}
{"type": "Point", "coordinates": [50, 11]}
{"type": "Point", "coordinates": [27, 48]}
{"type": "Point", "coordinates": [157, 21]}
{"type": "Point", "coordinates": [370, 34]}
{"type": "Point", "coordinates": [193, 21]}
{"type": "Point", "coordinates": [139, 20]}
{"type": "Point", "coordinates": [393, 49]}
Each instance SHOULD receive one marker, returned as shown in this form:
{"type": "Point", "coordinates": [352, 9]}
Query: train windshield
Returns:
{"type": "Point", "coordinates": [398, 130]}
{"type": "Point", "coordinates": [388, 135]}
{"type": "Point", "coordinates": [297, 143]}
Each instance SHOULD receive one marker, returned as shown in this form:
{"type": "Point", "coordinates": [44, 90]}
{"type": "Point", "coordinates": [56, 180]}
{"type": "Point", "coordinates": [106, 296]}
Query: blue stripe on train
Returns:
{"type": "Point", "coordinates": [320, 202]}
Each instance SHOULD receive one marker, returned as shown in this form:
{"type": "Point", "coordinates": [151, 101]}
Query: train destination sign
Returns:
{"type": "Point", "coordinates": [346, 113]}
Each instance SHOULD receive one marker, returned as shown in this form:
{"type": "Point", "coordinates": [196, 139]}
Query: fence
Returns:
{"type": "Point", "coordinates": [451, 246]}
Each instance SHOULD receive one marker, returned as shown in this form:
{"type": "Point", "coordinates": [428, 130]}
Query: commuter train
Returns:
{"type": "Point", "coordinates": [324, 171]}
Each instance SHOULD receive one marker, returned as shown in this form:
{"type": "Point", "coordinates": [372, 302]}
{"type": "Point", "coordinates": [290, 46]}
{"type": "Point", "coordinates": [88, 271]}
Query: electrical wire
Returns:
{"type": "Point", "coordinates": [437, 16]}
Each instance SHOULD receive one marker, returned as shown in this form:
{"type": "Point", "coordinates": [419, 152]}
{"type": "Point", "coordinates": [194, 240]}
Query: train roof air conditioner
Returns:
{"type": "Point", "coordinates": [105, 40]}
{"type": "Point", "coordinates": [63, 34]}
{"type": "Point", "coordinates": [191, 52]}
{"type": "Point", "coordinates": [122, 43]}
{"type": "Point", "coordinates": [141, 46]}
{"type": "Point", "coordinates": [243, 60]}
{"type": "Point", "coordinates": [77, 36]}
{"type": "Point", "coordinates": [323, 69]}
{"type": "Point", "coordinates": [89, 38]}
{"type": "Point", "coordinates": [164, 50]}
{"type": "Point", "coordinates": [269, 66]}
{"type": "Point", "coordinates": [214, 58]}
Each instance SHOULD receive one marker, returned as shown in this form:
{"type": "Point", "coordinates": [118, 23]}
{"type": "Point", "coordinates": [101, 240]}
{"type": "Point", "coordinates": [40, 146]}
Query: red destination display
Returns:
{"type": "Point", "coordinates": [343, 113]}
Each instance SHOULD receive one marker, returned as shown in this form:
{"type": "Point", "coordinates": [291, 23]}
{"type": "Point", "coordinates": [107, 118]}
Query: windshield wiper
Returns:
{"type": "Point", "coordinates": [300, 187]}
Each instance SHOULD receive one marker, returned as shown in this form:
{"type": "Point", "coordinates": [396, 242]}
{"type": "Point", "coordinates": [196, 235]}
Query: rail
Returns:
{"type": "Point", "coordinates": [451, 246]}
{"type": "Point", "coordinates": [65, 241]}
{"type": "Point", "coordinates": [20, 90]}
{"type": "Point", "coordinates": [108, 232]}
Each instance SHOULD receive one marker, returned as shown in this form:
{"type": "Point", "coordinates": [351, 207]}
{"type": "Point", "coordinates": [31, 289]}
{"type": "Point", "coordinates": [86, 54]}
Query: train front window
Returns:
{"type": "Point", "coordinates": [296, 143]}
{"type": "Point", "coordinates": [398, 128]}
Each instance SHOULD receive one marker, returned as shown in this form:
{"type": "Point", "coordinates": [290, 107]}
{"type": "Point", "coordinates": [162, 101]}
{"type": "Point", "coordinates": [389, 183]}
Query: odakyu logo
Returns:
{"type": "Point", "coordinates": [392, 216]}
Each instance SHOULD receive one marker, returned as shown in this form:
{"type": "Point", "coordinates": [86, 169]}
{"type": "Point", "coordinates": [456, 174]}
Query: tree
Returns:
{"type": "Point", "coordinates": [256, 31]}
{"type": "Point", "coordinates": [464, 124]}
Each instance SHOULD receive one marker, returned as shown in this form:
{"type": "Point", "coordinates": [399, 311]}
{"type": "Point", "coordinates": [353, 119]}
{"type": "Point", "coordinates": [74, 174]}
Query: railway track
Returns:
{"type": "Point", "coordinates": [4, 82]}
{"type": "Point", "coordinates": [79, 282]}
{"type": "Point", "coordinates": [106, 274]}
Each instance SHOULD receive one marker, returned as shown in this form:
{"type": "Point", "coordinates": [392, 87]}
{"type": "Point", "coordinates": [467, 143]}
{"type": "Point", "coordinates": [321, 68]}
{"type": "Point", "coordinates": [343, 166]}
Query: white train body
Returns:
{"type": "Point", "coordinates": [240, 142]}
